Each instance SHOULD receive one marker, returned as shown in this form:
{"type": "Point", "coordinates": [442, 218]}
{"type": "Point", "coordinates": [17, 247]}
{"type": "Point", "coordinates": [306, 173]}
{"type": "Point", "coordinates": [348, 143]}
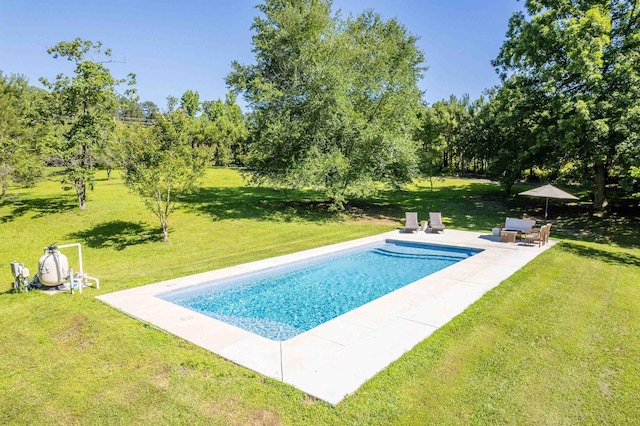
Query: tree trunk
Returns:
{"type": "Point", "coordinates": [5, 172]}
{"type": "Point", "coordinates": [509, 180]}
{"type": "Point", "coordinates": [507, 187]}
{"type": "Point", "coordinates": [109, 173]}
{"type": "Point", "coordinates": [599, 195]}
{"type": "Point", "coordinates": [81, 191]}
{"type": "Point", "coordinates": [165, 231]}
{"type": "Point", "coordinates": [81, 184]}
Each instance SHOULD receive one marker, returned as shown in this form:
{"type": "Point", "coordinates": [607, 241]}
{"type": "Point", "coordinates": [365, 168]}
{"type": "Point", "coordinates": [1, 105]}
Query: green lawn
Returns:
{"type": "Point", "coordinates": [557, 343]}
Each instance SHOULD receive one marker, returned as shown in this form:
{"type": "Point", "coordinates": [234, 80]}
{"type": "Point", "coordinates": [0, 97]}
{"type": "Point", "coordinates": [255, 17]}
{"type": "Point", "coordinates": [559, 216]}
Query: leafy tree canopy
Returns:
{"type": "Point", "coordinates": [149, 109]}
{"type": "Point", "coordinates": [190, 103]}
{"type": "Point", "coordinates": [22, 135]}
{"type": "Point", "coordinates": [581, 58]}
{"type": "Point", "coordinates": [82, 107]}
{"type": "Point", "coordinates": [333, 101]}
{"type": "Point", "coordinates": [160, 163]}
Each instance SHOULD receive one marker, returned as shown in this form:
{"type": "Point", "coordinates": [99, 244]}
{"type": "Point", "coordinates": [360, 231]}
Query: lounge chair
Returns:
{"type": "Point", "coordinates": [436, 222]}
{"type": "Point", "coordinates": [546, 235]}
{"type": "Point", "coordinates": [537, 235]}
{"type": "Point", "coordinates": [534, 235]}
{"type": "Point", "coordinates": [411, 222]}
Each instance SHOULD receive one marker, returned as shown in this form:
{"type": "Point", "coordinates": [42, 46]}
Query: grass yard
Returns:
{"type": "Point", "coordinates": [557, 343]}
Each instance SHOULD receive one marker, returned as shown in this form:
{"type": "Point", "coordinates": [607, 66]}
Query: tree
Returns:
{"type": "Point", "coordinates": [149, 110]}
{"type": "Point", "coordinates": [128, 109]}
{"type": "Point", "coordinates": [333, 102]}
{"type": "Point", "coordinates": [581, 57]}
{"type": "Point", "coordinates": [440, 130]}
{"type": "Point", "coordinates": [502, 135]}
{"type": "Point", "coordinates": [224, 129]}
{"type": "Point", "coordinates": [190, 103]}
{"type": "Point", "coordinates": [428, 134]}
{"type": "Point", "coordinates": [83, 106]}
{"type": "Point", "coordinates": [172, 103]}
{"type": "Point", "coordinates": [21, 134]}
{"type": "Point", "coordinates": [160, 164]}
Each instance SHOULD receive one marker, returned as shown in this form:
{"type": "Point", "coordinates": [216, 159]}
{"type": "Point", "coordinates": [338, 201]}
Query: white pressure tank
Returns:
{"type": "Point", "coordinates": [53, 268]}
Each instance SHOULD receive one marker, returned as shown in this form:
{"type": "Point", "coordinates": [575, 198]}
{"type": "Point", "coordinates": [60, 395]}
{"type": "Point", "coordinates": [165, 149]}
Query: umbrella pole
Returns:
{"type": "Point", "coordinates": [546, 208]}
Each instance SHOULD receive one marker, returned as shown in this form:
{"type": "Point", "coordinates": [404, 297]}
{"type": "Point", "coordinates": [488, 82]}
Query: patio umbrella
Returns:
{"type": "Point", "coordinates": [548, 191]}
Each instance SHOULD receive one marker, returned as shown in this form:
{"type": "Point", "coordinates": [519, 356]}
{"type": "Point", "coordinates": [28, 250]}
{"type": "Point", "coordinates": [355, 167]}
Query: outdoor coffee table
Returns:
{"type": "Point", "coordinates": [508, 236]}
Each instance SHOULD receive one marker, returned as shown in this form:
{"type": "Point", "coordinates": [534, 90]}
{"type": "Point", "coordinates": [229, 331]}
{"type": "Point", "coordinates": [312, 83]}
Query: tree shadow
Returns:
{"type": "Point", "coordinates": [469, 206]}
{"type": "Point", "coordinates": [260, 203]}
{"type": "Point", "coordinates": [40, 207]}
{"type": "Point", "coordinates": [117, 234]}
{"type": "Point", "coordinates": [602, 255]}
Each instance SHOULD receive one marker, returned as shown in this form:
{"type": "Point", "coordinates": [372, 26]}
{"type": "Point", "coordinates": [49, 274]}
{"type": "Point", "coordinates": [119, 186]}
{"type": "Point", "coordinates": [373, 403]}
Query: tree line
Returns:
{"type": "Point", "coordinates": [333, 103]}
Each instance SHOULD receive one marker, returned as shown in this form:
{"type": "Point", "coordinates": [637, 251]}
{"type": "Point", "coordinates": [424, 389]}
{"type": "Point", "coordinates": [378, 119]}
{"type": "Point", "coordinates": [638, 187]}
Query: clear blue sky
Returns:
{"type": "Point", "coordinates": [179, 45]}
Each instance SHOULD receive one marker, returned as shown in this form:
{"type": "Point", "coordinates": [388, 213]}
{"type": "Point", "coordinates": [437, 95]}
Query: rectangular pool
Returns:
{"type": "Point", "coordinates": [283, 302]}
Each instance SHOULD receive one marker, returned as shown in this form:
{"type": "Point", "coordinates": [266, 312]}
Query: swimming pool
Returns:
{"type": "Point", "coordinates": [334, 359]}
{"type": "Point", "coordinates": [283, 302]}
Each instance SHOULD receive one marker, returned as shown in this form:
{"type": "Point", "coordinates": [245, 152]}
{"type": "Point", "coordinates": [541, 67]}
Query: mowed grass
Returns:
{"type": "Point", "coordinates": [557, 343]}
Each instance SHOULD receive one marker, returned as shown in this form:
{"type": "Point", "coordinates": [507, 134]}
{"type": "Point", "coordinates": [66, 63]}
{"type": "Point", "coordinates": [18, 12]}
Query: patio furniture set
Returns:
{"type": "Point", "coordinates": [510, 231]}
{"type": "Point", "coordinates": [524, 230]}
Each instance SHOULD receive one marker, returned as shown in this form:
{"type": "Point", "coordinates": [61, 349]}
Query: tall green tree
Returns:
{"type": "Point", "coordinates": [160, 163]}
{"type": "Point", "coordinates": [149, 109]}
{"type": "Point", "coordinates": [225, 130]}
{"type": "Point", "coordinates": [83, 107]}
{"type": "Point", "coordinates": [441, 128]}
{"type": "Point", "coordinates": [190, 102]}
{"type": "Point", "coordinates": [128, 109]}
{"type": "Point", "coordinates": [334, 102]}
{"type": "Point", "coordinates": [583, 58]}
{"type": "Point", "coordinates": [503, 134]}
{"type": "Point", "coordinates": [21, 133]}
{"type": "Point", "coordinates": [172, 103]}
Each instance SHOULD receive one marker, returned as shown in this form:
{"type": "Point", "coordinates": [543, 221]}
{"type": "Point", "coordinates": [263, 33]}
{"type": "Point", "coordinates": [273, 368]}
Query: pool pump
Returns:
{"type": "Point", "coordinates": [53, 272]}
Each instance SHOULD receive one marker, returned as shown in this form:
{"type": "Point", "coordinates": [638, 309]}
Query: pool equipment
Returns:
{"type": "Point", "coordinates": [53, 272]}
{"type": "Point", "coordinates": [20, 276]}
{"type": "Point", "coordinates": [53, 267]}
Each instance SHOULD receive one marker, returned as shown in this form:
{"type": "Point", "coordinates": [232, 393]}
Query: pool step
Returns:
{"type": "Point", "coordinates": [426, 256]}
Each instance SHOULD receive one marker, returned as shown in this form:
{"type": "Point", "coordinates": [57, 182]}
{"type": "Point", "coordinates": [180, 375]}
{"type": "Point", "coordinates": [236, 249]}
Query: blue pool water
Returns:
{"type": "Point", "coordinates": [283, 302]}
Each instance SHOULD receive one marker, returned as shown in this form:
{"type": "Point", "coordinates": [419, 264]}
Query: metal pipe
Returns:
{"type": "Point", "coordinates": [93, 279]}
{"type": "Point", "coordinates": [56, 259]}
{"type": "Point", "coordinates": [79, 253]}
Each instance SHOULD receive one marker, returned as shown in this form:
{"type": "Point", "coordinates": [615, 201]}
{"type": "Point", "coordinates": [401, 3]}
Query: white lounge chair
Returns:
{"type": "Point", "coordinates": [411, 222]}
{"type": "Point", "coordinates": [436, 222]}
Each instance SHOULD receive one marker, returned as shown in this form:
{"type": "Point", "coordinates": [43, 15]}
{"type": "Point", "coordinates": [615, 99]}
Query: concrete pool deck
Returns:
{"type": "Point", "coordinates": [334, 359]}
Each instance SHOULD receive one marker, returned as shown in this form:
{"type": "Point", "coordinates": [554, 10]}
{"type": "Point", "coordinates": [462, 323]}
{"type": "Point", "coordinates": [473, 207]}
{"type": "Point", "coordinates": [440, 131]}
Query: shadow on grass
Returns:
{"type": "Point", "coordinates": [8, 291]}
{"type": "Point", "coordinates": [482, 206]}
{"type": "Point", "coordinates": [470, 206]}
{"type": "Point", "coordinates": [602, 255]}
{"type": "Point", "coordinates": [40, 207]}
{"type": "Point", "coordinates": [611, 227]}
{"type": "Point", "coordinates": [260, 203]}
{"type": "Point", "coordinates": [117, 234]}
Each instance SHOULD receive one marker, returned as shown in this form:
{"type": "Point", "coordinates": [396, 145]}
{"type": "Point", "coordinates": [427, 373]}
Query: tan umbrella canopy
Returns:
{"type": "Point", "coordinates": [548, 191]}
